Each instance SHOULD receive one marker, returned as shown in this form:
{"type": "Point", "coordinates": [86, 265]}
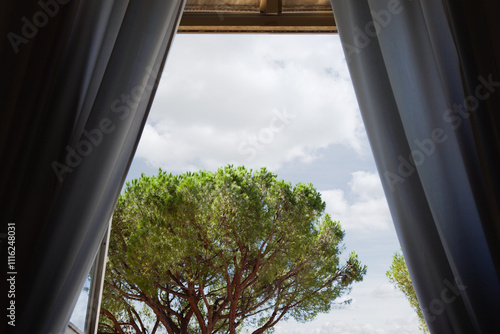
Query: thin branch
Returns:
{"type": "Point", "coordinates": [111, 317]}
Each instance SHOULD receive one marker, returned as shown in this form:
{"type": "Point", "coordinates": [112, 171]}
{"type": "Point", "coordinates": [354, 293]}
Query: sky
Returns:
{"type": "Point", "coordinates": [284, 102]}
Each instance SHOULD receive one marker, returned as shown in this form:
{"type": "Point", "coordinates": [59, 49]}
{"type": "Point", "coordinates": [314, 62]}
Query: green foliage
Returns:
{"type": "Point", "coordinates": [400, 277]}
{"type": "Point", "coordinates": [211, 252]}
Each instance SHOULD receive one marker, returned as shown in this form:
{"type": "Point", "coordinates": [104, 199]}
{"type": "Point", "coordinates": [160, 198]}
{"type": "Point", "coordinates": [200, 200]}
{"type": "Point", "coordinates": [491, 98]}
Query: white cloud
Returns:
{"type": "Point", "coordinates": [386, 291]}
{"type": "Point", "coordinates": [217, 102]}
{"type": "Point", "coordinates": [406, 325]}
{"type": "Point", "coordinates": [366, 186]}
{"type": "Point", "coordinates": [364, 207]}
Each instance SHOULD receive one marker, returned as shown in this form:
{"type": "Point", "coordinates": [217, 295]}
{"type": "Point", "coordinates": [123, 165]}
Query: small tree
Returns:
{"type": "Point", "coordinates": [211, 252]}
{"type": "Point", "coordinates": [400, 277]}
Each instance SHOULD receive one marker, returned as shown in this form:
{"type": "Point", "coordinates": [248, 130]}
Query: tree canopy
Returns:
{"type": "Point", "coordinates": [212, 252]}
{"type": "Point", "coordinates": [398, 275]}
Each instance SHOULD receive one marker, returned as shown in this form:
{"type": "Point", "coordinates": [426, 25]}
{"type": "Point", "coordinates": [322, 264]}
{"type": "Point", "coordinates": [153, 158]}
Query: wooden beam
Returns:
{"type": "Point", "coordinates": [257, 23]}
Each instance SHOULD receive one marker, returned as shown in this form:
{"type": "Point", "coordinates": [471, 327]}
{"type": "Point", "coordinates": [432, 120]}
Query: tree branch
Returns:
{"type": "Point", "coordinates": [111, 317]}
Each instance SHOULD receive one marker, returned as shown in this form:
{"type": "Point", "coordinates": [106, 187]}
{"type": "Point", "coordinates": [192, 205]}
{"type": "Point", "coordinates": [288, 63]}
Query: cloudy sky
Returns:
{"type": "Point", "coordinates": [285, 102]}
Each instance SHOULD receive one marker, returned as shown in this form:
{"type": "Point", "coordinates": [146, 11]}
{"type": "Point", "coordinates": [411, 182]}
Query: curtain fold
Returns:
{"type": "Point", "coordinates": [427, 82]}
{"type": "Point", "coordinates": [78, 80]}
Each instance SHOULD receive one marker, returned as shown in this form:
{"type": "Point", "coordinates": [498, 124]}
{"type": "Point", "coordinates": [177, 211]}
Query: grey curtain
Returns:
{"type": "Point", "coordinates": [77, 81]}
{"type": "Point", "coordinates": [426, 75]}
